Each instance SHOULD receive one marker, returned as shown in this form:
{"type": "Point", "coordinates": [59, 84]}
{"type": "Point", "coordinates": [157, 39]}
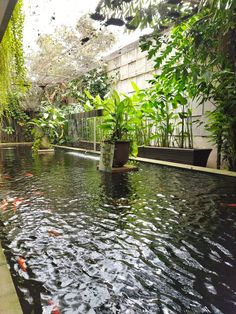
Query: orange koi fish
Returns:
{"type": "Point", "coordinates": [4, 204]}
{"type": "Point", "coordinates": [54, 233]}
{"type": "Point", "coordinates": [28, 174]}
{"type": "Point", "coordinates": [229, 205]}
{"type": "Point", "coordinates": [55, 309]}
{"type": "Point", "coordinates": [7, 177]}
{"type": "Point", "coordinates": [21, 262]}
{"type": "Point", "coordinates": [16, 203]}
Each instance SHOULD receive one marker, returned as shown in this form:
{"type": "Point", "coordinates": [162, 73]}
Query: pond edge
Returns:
{"type": "Point", "coordinates": [9, 302]}
{"type": "Point", "coordinates": [160, 162]}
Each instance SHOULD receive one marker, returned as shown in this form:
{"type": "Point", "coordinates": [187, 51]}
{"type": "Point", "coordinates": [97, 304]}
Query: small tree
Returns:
{"type": "Point", "coordinates": [69, 53]}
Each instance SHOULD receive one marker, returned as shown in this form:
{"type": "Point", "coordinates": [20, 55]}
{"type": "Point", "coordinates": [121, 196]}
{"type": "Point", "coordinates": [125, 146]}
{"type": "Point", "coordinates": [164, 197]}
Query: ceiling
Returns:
{"type": "Point", "coordinates": [6, 9]}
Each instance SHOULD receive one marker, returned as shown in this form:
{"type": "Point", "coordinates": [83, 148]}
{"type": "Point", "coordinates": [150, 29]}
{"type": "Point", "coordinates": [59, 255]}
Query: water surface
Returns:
{"type": "Point", "coordinates": [160, 240]}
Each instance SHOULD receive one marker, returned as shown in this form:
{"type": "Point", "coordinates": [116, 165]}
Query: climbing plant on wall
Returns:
{"type": "Point", "coordinates": [12, 66]}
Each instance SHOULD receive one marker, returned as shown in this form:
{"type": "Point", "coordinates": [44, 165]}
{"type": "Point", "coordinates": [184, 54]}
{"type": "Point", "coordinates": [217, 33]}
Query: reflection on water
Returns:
{"type": "Point", "coordinates": [157, 241]}
{"type": "Point", "coordinates": [83, 155]}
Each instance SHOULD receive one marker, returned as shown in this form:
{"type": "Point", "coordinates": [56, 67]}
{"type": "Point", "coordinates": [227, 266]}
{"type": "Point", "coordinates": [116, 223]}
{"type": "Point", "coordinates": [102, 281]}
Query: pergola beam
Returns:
{"type": "Point", "coordinates": [6, 9]}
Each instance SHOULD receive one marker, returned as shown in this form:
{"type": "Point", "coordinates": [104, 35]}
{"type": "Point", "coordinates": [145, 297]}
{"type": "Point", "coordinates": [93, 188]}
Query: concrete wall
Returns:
{"type": "Point", "coordinates": [130, 64]}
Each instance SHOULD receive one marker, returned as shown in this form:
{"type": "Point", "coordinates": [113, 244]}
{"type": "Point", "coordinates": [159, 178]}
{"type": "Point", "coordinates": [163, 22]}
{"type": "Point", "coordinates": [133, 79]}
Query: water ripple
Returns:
{"type": "Point", "coordinates": [155, 241]}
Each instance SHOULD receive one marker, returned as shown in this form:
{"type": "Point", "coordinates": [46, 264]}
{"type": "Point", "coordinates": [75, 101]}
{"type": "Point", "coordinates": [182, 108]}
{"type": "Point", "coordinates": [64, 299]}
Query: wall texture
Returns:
{"type": "Point", "coordinates": [129, 64]}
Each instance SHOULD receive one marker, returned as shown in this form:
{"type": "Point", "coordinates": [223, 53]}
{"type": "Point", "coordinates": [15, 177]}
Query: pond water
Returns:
{"type": "Point", "coordinates": [160, 240]}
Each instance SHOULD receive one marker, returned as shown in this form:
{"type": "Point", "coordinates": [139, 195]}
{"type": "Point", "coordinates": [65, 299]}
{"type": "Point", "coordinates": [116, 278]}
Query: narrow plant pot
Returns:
{"type": "Point", "coordinates": [121, 154]}
{"type": "Point", "coordinates": [190, 156]}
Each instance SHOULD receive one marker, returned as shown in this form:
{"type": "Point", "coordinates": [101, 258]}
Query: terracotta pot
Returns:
{"type": "Point", "coordinates": [121, 154]}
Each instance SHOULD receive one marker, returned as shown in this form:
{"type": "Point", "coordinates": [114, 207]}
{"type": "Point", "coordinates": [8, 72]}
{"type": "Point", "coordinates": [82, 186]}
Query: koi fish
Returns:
{"type": "Point", "coordinates": [54, 233]}
{"type": "Point", "coordinates": [7, 177]}
{"type": "Point", "coordinates": [4, 204]}
{"type": "Point", "coordinates": [16, 203]}
{"type": "Point", "coordinates": [21, 262]}
{"type": "Point", "coordinates": [55, 309]}
{"type": "Point", "coordinates": [229, 205]}
{"type": "Point", "coordinates": [28, 174]}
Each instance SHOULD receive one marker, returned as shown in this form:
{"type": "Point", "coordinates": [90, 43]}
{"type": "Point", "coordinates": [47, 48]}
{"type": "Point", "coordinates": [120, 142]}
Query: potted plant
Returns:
{"type": "Point", "coordinates": [167, 130]}
{"type": "Point", "coordinates": [48, 127]}
{"type": "Point", "coordinates": [118, 126]}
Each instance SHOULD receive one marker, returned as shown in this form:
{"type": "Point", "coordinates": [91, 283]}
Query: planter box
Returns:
{"type": "Point", "coordinates": [86, 145]}
{"type": "Point", "coordinates": [195, 156]}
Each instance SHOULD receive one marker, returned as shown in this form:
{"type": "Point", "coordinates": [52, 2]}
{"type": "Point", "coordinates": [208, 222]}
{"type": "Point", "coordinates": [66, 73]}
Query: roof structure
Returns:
{"type": "Point", "coordinates": [6, 9]}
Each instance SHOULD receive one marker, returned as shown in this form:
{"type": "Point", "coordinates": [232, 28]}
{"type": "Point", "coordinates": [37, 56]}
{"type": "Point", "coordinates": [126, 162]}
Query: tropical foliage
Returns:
{"type": "Point", "coordinates": [12, 66]}
{"type": "Point", "coordinates": [48, 128]}
{"type": "Point", "coordinates": [166, 115]}
{"type": "Point", "coordinates": [143, 13]}
{"type": "Point", "coordinates": [96, 82]}
{"type": "Point", "coordinates": [14, 111]}
{"type": "Point", "coordinates": [119, 117]}
{"type": "Point", "coordinates": [196, 55]}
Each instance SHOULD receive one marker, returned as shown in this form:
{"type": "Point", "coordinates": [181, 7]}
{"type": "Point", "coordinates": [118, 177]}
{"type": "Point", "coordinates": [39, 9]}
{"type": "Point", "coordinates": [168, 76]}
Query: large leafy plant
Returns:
{"type": "Point", "coordinates": [119, 117]}
{"type": "Point", "coordinates": [198, 56]}
{"type": "Point", "coordinates": [48, 127]}
{"type": "Point", "coordinates": [199, 53]}
{"type": "Point", "coordinates": [167, 114]}
{"type": "Point", "coordinates": [12, 66]}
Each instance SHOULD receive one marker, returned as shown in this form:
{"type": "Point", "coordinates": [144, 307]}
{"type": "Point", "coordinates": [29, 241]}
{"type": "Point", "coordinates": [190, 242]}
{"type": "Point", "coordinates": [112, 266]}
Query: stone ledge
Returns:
{"type": "Point", "coordinates": [9, 302]}
{"type": "Point", "coordinates": [163, 163]}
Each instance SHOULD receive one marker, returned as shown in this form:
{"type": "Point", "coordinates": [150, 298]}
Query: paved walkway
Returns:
{"type": "Point", "coordinates": [9, 303]}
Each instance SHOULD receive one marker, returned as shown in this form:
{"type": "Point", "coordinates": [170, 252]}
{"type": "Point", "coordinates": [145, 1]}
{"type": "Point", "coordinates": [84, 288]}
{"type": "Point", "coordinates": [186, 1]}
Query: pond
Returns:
{"type": "Point", "coordinates": [160, 240]}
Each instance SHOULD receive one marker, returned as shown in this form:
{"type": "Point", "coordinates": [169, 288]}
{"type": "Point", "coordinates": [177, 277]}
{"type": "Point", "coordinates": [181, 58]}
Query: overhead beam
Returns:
{"type": "Point", "coordinates": [6, 9]}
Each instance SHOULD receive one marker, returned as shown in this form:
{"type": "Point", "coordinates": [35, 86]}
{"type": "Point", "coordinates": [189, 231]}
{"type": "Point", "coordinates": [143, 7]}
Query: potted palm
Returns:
{"type": "Point", "coordinates": [118, 125]}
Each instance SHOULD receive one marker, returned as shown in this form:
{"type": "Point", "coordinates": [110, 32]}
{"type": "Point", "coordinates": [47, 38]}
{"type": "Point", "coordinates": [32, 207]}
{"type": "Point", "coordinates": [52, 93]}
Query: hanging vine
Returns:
{"type": "Point", "coordinates": [12, 66]}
